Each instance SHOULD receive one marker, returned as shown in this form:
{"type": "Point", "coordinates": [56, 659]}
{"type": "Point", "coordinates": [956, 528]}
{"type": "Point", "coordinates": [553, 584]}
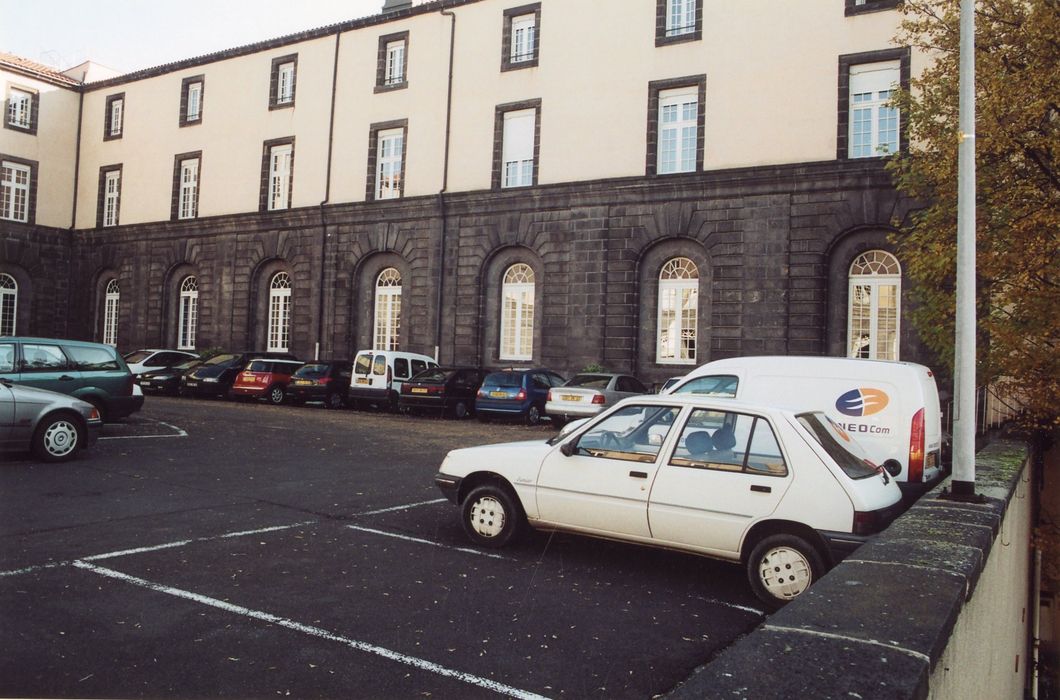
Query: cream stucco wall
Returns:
{"type": "Point", "coordinates": [53, 146]}
{"type": "Point", "coordinates": [771, 94]}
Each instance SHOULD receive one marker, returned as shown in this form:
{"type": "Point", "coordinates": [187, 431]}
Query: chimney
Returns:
{"type": "Point", "coordinates": [396, 5]}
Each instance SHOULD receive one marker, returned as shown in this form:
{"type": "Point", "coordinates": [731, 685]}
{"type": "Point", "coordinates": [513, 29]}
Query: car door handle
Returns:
{"type": "Point", "coordinates": [639, 475]}
{"type": "Point", "coordinates": [762, 489]}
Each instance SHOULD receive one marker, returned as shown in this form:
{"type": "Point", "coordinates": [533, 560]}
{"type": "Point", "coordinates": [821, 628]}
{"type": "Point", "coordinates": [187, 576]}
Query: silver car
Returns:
{"type": "Point", "coordinates": [589, 393]}
{"type": "Point", "coordinates": [53, 426]}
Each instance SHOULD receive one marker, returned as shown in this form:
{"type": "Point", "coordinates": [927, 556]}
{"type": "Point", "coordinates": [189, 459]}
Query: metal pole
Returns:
{"type": "Point", "coordinates": [964, 421]}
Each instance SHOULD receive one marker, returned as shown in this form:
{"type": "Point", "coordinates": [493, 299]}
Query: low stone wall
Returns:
{"type": "Point", "coordinates": [937, 606]}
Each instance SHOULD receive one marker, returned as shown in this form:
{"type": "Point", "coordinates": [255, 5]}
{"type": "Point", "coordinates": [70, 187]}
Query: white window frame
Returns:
{"type": "Point", "coordinates": [523, 38]}
{"type": "Point", "coordinates": [677, 313]}
{"type": "Point", "coordinates": [111, 197]}
{"type": "Point", "coordinates": [389, 166]}
{"type": "Point", "coordinates": [678, 138]}
{"type": "Point", "coordinates": [279, 330]}
{"type": "Point", "coordinates": [280, 157]}
{"type": "Point", "coordinates": [20, 108]}
{"type": "Point", "coordinates": [517, 148]}
{"type": "Point", "coordinates": [680, 17]}
{"type": "Point", "coordinates": [116, 117]}
{"type": "Point", "coordinates": [194, 108]}
{"type": "Point", "coordinates": [285, 83]}
{"type": "Point", "coordinates": [15, 182]}
{"type": "Point", "coordinates": [387, 327]}
{"type": "Point", "coordinates": [8, 304]}
{"type": "Point", "coordinates": [517, 313]}
{"type": "Point", "coordinates": [394, 73]}
{"type": "Point", "coordinates": [874, 126]}
{"type": "Point", "coordinates": [875, 277]}
{"type": "Point", "coordinates": [188, 313]}
{"type": "Point", "coordinates": [188, 189]}
{"type": "Point", "coordinates": [111, 300]}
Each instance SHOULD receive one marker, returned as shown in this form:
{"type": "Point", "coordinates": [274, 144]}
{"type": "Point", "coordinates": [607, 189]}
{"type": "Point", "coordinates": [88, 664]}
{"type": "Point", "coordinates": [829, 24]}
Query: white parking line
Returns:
{"type": "Point", "coordinates": [417, 540]}
{"type": "Point", "coordinates": [180, 432]}
{"type": "Point", "coordinates": [413, 661]}
{"type": "Point", "coordinates": [404, 507]}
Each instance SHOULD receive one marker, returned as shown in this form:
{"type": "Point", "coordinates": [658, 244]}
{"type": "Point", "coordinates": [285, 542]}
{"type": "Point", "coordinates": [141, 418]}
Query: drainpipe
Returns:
{"type": "Point", "coordinates": [327, 199]}
{"type": "Point", "coordinates": [445, 186]}
{"type": "Point", "coordinates": [77, 173]}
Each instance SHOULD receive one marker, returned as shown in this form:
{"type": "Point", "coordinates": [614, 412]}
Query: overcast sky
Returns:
{"type": "Point", "coordinates": [128, 35]}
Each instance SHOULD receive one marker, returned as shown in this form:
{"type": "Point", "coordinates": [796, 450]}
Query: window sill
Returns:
{"type": "Point", "coordinates": [663, 40]}
{"type": "Point", "coordinates": [391, 88]}
{"type": "Point", "coordinates": [509, 65]}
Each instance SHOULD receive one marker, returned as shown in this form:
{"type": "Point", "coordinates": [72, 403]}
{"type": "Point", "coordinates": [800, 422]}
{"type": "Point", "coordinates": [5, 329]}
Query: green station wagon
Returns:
{"type": "Point", "coordinates": [92, 372]}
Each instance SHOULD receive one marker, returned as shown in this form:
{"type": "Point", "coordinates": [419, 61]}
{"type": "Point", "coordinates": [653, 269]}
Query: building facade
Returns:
{"type": "Point", "coordinates": [493, 182]}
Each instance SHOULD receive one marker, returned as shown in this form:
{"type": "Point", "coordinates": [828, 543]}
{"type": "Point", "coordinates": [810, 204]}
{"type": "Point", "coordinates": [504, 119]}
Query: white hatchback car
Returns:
{"type": "Point", "coordinates": [786, 494]}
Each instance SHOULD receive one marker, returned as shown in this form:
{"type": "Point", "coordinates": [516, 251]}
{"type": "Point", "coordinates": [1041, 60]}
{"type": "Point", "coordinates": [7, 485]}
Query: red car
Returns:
{"type": "Point", "coordinates": [266, 379]}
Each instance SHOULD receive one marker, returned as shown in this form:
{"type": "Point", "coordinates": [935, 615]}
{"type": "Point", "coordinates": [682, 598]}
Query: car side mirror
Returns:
{"type": "Point", "coordinates": [568, 448]}
{"type": "Point", "coordinates": [893, 467]}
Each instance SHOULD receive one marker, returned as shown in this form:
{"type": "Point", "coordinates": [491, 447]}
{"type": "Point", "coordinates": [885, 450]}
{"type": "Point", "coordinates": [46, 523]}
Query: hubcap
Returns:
{"type": "Point", "coordinates": [277, 395]}
{"type": "Point", "coordinates": [785, 572]}
{"type": "Point", "coordinates": [533, 416]}
{"type": "Point", "coordinates": [60, 438]}
{"type": "Point", "coordinates": [488, 516]}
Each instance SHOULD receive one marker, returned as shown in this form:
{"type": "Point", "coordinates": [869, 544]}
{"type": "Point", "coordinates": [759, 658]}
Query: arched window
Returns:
{"type": "Point", "coordinates": [678, 312]}
{"type": "Point", "coordinates": [874, 306]}
{"type": "Point", "coordinates": [188, 313]}
{"type": "Point", "coordinates": [388, 310]}
{"type": "Point", "coordinates": [8, 304]}
{"type": "Point", "coordinates": [517, 313]}
{"type": "Point", "coordinates": [110, 313]}
{"type": "Point", "coordinates": [279, 338]}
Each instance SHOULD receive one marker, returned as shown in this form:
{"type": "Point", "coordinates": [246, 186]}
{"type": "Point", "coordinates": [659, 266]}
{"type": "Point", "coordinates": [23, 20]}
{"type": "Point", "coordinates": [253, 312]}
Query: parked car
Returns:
{"type": "Point", "coordinates": [379, 374]}
{"type": "Point", "coordinates": [141, 361]}
{"type": "Point", "coordinates": [327, 381]}
{"type": "Point", "coordinates": [52, 426]}
{"type": "Point", "coordinates": [92, 372]}
{"type": "Point", "coordinates": [786, 494]}
{"type": "Point", "coordinates": [892, 407]}
{"type": "Point", "coordinates": [264, 378]}
{"type": "Point", "coordinates": [589, 393]}
{"type": "Point", "coordinates": [166, 380]}
{"type": "Point", "coordinates": [216, 375]}
{"type": "Point", "coordinates": [516, 392]}
{"type": "Point", "coordinates": [442, 390]}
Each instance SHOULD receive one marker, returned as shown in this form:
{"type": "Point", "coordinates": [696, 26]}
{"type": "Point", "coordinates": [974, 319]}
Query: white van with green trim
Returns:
{"type": "Point", "coordinates": [892, 408]}
{"type": "Point", "coordinates": [379, 374]}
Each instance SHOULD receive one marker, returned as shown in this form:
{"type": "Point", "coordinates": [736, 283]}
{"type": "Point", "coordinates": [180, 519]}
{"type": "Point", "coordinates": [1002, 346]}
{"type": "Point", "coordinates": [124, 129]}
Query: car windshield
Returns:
{"type": "Point", "coordinates": [315, 371]}
{"type": "Point", "coordinates": [590, 381]}
{"type": "Point", "coordinates": [435, 375]}
{"type": "Point", "coordinates": [220, 360]}
{"type": "Point", "coordinates": [503, 379]}
{"type": "Point", "coordinates": [138, 356]}
{"type": "Point", "coordinates": [847, 453]}
{"type": "Point", "coordinates": [259, 366]}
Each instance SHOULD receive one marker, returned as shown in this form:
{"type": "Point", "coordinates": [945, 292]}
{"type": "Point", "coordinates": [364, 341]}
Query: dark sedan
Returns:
{"type": "Point", "coordinates": [167, 379]}
{"type": "Point", "coordinates": [441, 390]}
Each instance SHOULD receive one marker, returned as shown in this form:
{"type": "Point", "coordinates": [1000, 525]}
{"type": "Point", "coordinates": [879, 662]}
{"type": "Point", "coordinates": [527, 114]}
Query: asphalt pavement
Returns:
{"type": "Point", "coordinates": [209, 548]}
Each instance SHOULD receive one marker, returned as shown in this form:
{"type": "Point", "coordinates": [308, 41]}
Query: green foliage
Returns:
{"type": "Point", "coordinates": [1017, 189]}
{"type": "Point", "coordinates": [207, 353]}
{"type": "Point", "coordinates": [594, 368]}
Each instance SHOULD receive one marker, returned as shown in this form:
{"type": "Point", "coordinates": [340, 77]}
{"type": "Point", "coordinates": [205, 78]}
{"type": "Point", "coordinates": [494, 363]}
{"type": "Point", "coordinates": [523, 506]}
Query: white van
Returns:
{"type": "Point", "coordinates": [379, 374]}
{"type": "Point", "coordinates": [892, 408]}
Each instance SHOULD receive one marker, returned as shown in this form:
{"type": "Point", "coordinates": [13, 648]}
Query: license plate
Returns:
{"type": "Point", "coordinates": [418, 390]}
{"type": "Point", "coordinates": [499, 394]}
{"type": "Point", "coordinates": [571, 397]}
{"type": "Point", "coordinates": [192, 384]}
{"type": "Point", "coordinates": [363, 380]}
{"type": "Point", "coordinates": [300, 382]}
{"type": "Point", "coordinates": [932, 460]}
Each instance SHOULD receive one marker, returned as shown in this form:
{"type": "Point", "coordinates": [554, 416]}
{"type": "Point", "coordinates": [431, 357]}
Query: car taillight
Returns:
{"type": "Point", "coordinates": [549, 394]}
{"type": "Point", "coordinates": [867, 522]}
{"type": "Point", "coordinates": [599, 400]}
{"type": "Point", "coordinates": [916, 448]}
{"type": "Point", "coordinates": [521, 395]}
{"type": "Point", "coordinates": [93, 414]}
{"type": "Point", "coordinates": [323, 381]}
{"type": "Point", "coordinates": [482, 393]}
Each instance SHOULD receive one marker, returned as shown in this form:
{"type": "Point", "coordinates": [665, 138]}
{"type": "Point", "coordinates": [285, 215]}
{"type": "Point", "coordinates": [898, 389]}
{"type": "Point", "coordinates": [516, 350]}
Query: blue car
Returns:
{"type": "Point", "coordinates": [516, 393]}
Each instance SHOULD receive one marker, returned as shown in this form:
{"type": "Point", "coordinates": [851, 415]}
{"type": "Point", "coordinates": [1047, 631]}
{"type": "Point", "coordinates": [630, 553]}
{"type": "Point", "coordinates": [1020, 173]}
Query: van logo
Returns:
{"type": "Point", "coordinates": [862, 402]}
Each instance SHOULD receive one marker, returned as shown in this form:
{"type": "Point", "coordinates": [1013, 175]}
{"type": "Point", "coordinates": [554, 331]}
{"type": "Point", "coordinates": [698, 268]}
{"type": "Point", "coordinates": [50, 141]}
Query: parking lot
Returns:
{"type": "Point", "coordinates": [212, 548]}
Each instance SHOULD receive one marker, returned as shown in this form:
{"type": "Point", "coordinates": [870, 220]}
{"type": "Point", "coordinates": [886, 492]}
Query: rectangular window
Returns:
{"type": "Point", "coordinates": [188, 197]}
{"type": "Point", "coordinates": [15, 189]}
{"type": "Point", "coordinates": [676, 125]}
{"type": "Point", "coordinates": [391, 145]}
{"type": "Point", "coordinates": [277, 174]}
{"type": "Point", "coordinates": [395, 63]}
{"type": "Point", "coordinates": [678, 21]}
{"type": "Point", "coordinates": [517, 144]}
{"type": "Point", "coordinates": [111, 183]}
{"type": "Point", "coordinates": [282, 82]}
{"type": "Point", "coordinates": [522, 37]}
{"type": "Point", "coordinates": [191, 94]}
{"type": "Point", "coordinates": [21, 110]}
{"type": "Point", "coordinates": [392, 68]}
{"type": "Point", "coordinates": [114, 119]}
{"type": "Point", "coordinates": [868, 125]}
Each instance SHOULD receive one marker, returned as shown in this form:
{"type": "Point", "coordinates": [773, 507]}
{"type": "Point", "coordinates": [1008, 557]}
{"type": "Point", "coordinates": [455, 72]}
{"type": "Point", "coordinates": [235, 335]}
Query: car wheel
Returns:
{"type": "Point", "coordinates": [57, 438]}
{"type": "Point", "coordinates": [492, 516]}
{"type": "Point", "coordinates": [275, 394]}
{"type": "Point", "coordinates": [460, 410]}
{"type": "Point", "coordinates": [533, 415]}
{"type": "Point", "coordinates": [333, 401]}
{"type": "Point", "coordinates": [781, 567]}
